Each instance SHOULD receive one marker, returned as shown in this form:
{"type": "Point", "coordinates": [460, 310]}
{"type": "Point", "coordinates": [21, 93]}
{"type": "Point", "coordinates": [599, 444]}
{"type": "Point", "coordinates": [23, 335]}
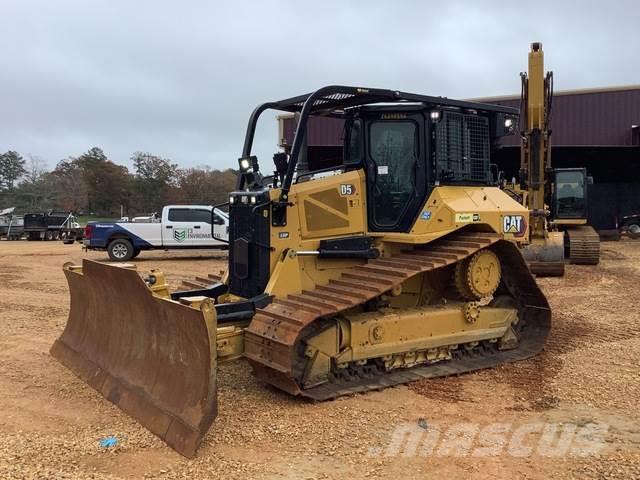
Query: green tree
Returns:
{"type": "Point", "coordinates": [12, 167]}
{"type": "Point", "coordinates": [107, 185]}
{"type": "Point", "coordinates": [154, 180]}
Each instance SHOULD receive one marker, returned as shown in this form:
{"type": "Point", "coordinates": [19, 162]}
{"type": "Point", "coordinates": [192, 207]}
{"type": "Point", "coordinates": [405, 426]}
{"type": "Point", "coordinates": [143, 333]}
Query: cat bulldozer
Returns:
{"type": "Point", "coordinates": [399, 262]}
{"type": "Point", "coordinates": [557, 198]}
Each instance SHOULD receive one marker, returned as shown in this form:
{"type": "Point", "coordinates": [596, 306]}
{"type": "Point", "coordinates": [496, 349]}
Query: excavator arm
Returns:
{"type": "Point", "coordinates": [545, 253]}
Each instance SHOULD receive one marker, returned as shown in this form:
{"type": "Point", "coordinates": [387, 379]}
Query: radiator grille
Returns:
{"type": "Point", "coordinates": [462, 148]}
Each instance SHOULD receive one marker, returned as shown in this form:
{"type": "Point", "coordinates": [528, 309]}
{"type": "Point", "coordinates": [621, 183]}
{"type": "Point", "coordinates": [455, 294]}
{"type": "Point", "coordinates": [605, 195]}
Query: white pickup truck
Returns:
{"type": "Point", "coordinates": [179, 227]}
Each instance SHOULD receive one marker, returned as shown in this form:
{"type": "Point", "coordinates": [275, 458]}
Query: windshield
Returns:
{"type": "Point", "coordinates": [570, 195]}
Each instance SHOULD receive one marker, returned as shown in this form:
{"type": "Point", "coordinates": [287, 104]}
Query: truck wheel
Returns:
{"type": "Point", "coordinates": [634, 230]}
{"type": "Point", "coordinates": [48, 235]}
{"type": "Point", "coordinates": [120, 250]}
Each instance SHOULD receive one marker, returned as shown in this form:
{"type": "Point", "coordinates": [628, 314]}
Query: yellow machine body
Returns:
{"type": "Point", "coordinates": [321, 213]}
{"type": "Point", "coordinates": [344, 308]}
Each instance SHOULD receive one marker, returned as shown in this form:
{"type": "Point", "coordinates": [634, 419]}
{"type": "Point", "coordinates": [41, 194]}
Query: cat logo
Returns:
{"type": "Point", "coordinates": [514, 224]}
{"type": "Point", "coordinates": [180, 234]}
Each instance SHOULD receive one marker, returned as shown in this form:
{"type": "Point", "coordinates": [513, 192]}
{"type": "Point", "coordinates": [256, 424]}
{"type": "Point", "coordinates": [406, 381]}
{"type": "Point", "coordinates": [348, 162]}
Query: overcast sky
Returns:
{"type": "Point", "coordinates": [180, 78]}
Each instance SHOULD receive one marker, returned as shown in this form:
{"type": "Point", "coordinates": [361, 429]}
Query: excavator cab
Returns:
{"type": "Point", "coordinates": [569, 194]}
{"type": "Point", "coordinates": [569, 205]}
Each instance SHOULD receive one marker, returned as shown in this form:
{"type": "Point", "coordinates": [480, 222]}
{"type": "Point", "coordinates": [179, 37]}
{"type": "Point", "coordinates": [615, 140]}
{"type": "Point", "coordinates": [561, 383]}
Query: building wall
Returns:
{"type": "Point", "coordinates": [602, 117]}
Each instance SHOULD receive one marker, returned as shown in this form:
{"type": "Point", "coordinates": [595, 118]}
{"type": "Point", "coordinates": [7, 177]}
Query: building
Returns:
{"type": "Point", "coordinates": [594, 128]}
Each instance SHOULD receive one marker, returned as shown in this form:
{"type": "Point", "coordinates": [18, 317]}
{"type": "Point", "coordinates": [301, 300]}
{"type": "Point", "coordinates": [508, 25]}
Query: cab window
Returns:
{"type": "Point", "coordinates": [393, 147]}
{"type": "Point", "coordinates": [354, 151]}
{"type": "Point", "coordinates": [189, 215]}
{"type": "Point", "coordinates": [570, 194]}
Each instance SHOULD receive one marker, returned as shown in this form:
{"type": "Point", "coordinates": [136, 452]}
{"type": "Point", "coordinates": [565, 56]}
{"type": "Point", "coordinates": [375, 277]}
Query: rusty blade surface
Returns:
{"type": "Point", "coordinates": [153, 358]}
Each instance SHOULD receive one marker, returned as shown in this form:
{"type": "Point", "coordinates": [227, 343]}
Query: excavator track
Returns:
{"type": "Point", "coordinates": [584, 245]}
{"type": "Point", "coordinates": [274, 338]}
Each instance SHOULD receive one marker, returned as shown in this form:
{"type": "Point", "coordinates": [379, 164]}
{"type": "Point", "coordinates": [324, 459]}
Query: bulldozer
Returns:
{"type": "Point", "coordinates": [401, 262]}
{"type": "Point", "coordinates": [557, 198]}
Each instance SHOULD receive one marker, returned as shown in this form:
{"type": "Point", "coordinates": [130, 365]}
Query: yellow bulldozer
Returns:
{"type": "Point", "coordinates": [557, 198]}
{"type": "Point", "coordinates": [400, 262]}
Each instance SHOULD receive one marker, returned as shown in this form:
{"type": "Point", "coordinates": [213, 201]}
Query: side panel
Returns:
{"type": "Point", "coordinates": [451, 208]}
{"type": "Point", "coordinates": [331, 206]}
{"type": "Point", "coordinates": [144, 234]}
{"type": "Point", "coordinates": [141, 235]}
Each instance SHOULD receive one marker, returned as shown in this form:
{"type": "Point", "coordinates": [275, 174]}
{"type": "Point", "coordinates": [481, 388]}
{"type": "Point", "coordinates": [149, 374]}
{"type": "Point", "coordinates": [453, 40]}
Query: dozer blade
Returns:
{"type": "Point", "coordinates": [152, 357]}
{"type": "Point", "coordinates": [546, 257]}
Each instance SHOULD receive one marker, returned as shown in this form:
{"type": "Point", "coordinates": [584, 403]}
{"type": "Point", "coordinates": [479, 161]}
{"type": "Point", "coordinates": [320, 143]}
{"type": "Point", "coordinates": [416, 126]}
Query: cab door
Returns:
{"type": "Point", "coordinates": [201, 233]}
{"type": "Point", "coordinates": [220, 228]}
{"type": "Point", "coordinates": [178, 227]}
{"type": "Point", "coordinates": [396, 170]}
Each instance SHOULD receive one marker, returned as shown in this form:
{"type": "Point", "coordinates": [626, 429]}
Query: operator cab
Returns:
{"type": "Point", "coordinates": [569, 193]}
{"type": "Point", "coordinates": [406, 144]}
{"type": "Point", "coordinates": [407, 150]}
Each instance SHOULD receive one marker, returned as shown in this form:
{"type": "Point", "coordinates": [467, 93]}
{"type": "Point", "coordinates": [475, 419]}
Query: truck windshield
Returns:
{"type": "Point", "coordinates": [570, 195]}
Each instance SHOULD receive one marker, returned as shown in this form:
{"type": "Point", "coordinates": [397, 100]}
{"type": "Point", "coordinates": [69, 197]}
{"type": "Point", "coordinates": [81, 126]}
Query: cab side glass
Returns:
{"type": "Point", "coordinates": [355, 146]}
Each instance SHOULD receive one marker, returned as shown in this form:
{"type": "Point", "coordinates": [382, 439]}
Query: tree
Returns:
{"type": "Point", "coordinates": [108, 185]}
{"type": "Point", "coordinates": [11, 169]}
{"type": "Point", "coordinates": [154, 179]}
{"type": "Point", "coordinates": [71, 188]}
{"type": "Point", "coordinates": [37, 190]}
{"type": "Point", "coordinates": [205, 186]}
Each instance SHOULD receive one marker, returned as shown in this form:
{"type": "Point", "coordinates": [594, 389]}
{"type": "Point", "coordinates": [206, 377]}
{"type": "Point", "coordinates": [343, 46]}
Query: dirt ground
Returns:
{"type": "Point", "coordinates": [51, 424]}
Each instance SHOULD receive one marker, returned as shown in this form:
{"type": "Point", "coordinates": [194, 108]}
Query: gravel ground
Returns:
{"type": "Point", "coordinates": [51, 423]}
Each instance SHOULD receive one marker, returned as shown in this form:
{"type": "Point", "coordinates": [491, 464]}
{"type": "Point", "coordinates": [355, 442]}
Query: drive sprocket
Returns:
{"type": "Point", "coordinates": [478, 276]}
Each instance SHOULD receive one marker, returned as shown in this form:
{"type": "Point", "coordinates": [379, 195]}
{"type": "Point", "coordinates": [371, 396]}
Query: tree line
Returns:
{"type": "Point", "coordinates": [91, 184]}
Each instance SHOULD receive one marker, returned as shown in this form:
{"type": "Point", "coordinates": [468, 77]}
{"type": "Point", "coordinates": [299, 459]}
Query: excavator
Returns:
{"type": "Point", "coordinates": [401, 262]}
{"type": "Point", "coordinates": [557, 198]}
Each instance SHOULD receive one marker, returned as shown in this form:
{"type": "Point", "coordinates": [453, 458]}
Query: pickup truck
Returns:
{"type": "Point", "coordinates": [179, 227]}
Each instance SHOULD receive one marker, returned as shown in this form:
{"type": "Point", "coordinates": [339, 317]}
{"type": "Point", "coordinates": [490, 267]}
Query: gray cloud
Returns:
{"type": "Point", "coordinates": [180, 79]}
